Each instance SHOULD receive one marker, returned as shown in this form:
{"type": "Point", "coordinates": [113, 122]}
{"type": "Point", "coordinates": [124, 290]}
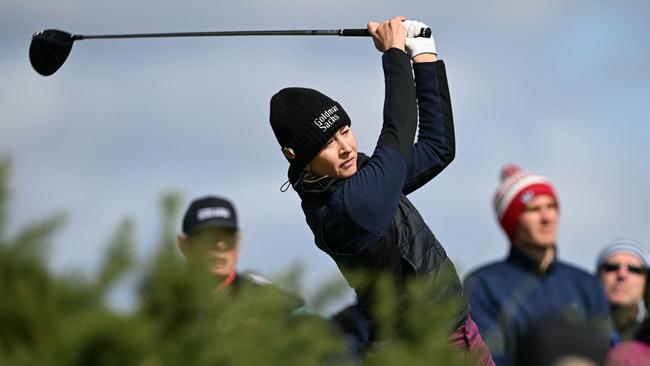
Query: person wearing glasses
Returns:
{"type": "Point", "coordinates": [635, 351]}
{"type": "Point", "coordinates": [510, 297]}
{"type": "Point", "coordinates": [622, 267]}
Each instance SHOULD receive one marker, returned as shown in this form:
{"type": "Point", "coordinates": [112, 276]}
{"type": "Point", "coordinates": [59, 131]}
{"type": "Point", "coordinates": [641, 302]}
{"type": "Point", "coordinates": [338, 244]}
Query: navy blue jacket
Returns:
{"type": "Point", "coordinates": [365, 222]}
{"type": "Point", "coordinates": [509, 297]}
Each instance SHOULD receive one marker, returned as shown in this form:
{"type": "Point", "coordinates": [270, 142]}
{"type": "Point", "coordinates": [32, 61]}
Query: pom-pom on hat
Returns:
{"type": "Point", "coordinates": [303, 120]}
{"type": "Point", "coordinates": [517, 189]}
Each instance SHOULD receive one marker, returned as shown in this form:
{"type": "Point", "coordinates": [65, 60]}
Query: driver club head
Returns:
{"type": "Point", "coordinates": [49, 50]}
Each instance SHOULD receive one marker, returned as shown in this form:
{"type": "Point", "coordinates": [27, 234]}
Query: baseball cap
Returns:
{"type": "Point", "coordinates": [209, 212]}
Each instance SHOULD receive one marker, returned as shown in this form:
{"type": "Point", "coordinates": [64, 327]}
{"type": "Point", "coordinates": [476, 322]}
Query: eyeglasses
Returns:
{"type": "Point", "coordinates": [614, 267]}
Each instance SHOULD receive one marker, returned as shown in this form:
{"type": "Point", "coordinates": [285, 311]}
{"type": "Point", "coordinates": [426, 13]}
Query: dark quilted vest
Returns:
{"type": "Point", "coordinates": [409, 250]}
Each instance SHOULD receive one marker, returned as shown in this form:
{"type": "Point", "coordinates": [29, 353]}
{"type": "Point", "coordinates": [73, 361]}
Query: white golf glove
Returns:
{"type": "Point", "coordinates": [416, 46]}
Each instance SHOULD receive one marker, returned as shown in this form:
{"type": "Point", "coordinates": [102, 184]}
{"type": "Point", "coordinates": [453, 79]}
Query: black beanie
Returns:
{"type": "Point", "coordinates": [303, 120]}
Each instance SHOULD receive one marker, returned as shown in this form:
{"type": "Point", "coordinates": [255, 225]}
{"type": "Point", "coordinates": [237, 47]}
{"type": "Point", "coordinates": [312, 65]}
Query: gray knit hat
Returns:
{"type": "Point", "coordinates": [624, 245]}
{"type": "Point", "coordinates": [303, 120]}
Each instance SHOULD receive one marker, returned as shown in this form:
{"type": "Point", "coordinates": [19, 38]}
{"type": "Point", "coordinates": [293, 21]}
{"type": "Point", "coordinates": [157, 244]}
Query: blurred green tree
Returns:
{"type": "Point", "coordinates": [53, 319]}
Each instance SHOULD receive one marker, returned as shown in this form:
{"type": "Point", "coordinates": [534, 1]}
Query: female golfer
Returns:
{"type": "Point", "coordinates": [356, 205]}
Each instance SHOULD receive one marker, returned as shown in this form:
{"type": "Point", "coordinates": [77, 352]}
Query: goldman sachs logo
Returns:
{"type": "Point", "coordinates": [327, 118]}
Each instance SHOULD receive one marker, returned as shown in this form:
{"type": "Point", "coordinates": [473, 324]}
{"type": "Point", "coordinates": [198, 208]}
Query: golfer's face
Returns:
{"type": "Point", "coordinates": [338, 158]}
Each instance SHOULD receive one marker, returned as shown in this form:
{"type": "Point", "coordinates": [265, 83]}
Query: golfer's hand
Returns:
{"type": "Point", "coordinates": [420, 49]}
{"type": "Point", "coordinates": [389, 34]}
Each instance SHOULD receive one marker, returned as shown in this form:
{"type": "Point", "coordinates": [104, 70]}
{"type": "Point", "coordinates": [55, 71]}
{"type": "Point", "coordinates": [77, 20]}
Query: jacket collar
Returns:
{"type": "Point", "coordinates": [228, 281]}
{"type": "Point", "coordinates": [530, 264]}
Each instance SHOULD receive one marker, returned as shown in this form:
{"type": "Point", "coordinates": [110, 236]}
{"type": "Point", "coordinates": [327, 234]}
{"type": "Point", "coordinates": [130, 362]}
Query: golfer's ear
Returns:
{"type": "Point", "coordinates": [183, 243]}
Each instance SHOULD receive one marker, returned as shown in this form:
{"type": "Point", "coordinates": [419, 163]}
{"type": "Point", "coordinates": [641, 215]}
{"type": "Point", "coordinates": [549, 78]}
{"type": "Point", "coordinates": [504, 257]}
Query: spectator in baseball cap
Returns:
{"type": "Point", "coordinates": [210, 227]}
{"type": "Point", "coordinates": [622, 267]}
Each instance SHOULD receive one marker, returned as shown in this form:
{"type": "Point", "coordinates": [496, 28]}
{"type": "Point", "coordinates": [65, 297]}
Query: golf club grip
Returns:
{"type": "Point", "coordinates": [424, 33]}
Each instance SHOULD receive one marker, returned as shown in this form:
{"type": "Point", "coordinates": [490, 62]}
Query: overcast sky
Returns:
{"type": "Point", "coordinates": [559, 87]}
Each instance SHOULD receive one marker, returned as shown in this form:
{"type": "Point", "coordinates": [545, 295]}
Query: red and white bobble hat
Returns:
{"type": "Point", "coordinates": [517, 189]}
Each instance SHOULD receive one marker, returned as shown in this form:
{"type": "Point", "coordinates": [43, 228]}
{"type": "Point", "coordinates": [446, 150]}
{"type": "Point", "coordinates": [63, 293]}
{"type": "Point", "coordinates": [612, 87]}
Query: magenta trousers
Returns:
{"type": "Point", "coordinates": [468, 339]}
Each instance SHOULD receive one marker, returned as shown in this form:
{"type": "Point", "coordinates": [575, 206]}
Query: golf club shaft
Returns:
{"type": "Point", "coordinates": [50, 47]}
{"type": "Point", "coordinates": [333, 32]}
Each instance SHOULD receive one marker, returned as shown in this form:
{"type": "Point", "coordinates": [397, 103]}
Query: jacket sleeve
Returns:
{"type": "Point", "coordinates": [360, 212]}
{"type": "Point", "coordinates": [485, 315]}
{"type": "Point", "coordinates": [435, 147]}
{"type": "Point", "coordinates": [400, 106]}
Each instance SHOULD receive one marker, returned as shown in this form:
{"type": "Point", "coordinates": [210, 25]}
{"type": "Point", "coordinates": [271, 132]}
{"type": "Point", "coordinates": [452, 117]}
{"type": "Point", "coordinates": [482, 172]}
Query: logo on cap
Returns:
{"type": "Point", "coordinates": [527, 197]}
{"type": "Point", "coordinates": [212, 213]}
{"type": "Point", "coordinates": [288, 152]}
{"type": "Point", "coordinates": [327, 118]}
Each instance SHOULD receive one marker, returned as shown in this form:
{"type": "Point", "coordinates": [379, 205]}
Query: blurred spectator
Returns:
{"type": "Point", "coordinates": [622, 267]}
{"type": "Point", "coordinates": [635, 352]}
{"type": "Point", "coordinates": [510, 296]}
{"type": "Point", "coordinates": [557, 342]}
{"type": "Point", "coordinates": [210, 226]}
{"type": "Point", "coordinates": [632, 353]}
{"type": "Point", "coordinates": [210, 233]}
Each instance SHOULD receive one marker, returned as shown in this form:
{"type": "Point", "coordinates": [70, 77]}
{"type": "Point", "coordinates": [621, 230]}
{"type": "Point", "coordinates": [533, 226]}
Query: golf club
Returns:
{"type": "Point", "coordinates": [50, 48]}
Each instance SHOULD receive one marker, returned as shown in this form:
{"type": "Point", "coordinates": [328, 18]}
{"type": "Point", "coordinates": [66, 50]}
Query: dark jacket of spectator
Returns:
{"type": "Point", "coordinates": [508, 297]}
